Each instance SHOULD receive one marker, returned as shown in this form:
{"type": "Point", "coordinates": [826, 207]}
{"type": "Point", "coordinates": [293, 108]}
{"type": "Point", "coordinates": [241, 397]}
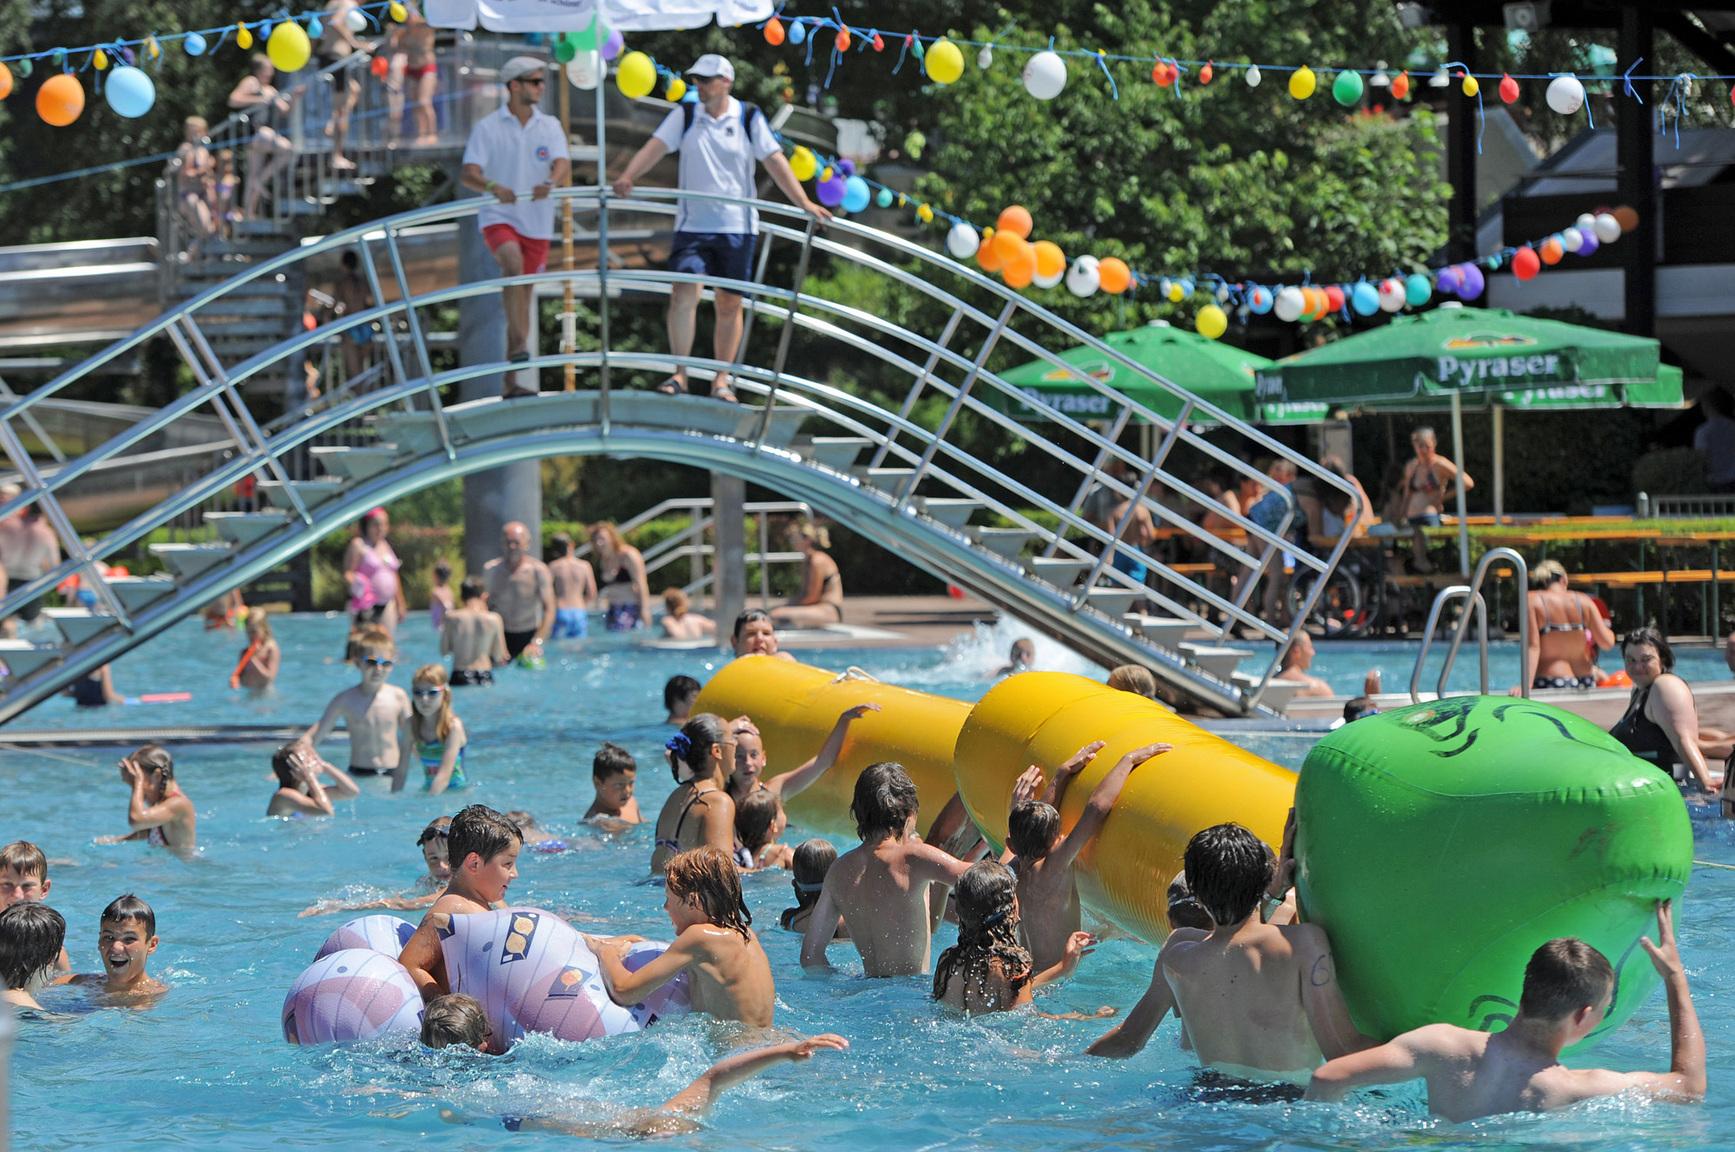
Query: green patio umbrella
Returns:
{"type": "Point", "coordinates": [1211, 370]}
{"type": "Point", "coordinates": [1452, 358]}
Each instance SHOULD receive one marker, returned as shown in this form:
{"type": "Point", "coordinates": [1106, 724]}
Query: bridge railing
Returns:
{"type": "Point", "coordinates": [804, 349]}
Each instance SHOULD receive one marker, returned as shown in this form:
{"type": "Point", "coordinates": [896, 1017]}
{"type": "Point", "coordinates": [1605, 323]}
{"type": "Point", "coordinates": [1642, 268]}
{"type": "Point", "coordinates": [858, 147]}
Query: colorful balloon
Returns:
{"type": "Point", "coordinates": [129, 92]}
{"type": "Point", "coordinates": [1252, 76]}
{"type": "Point", "coordinates": [1211, 322]}
{"type": "Point", "coordinates": [1019, 269]}
{"type": "Point", "coordinates": [1364, 299]}
{"type": "Point", "coordinates": [1571, 239]}
{"type": "Point", "coordinates": [1392, 295]}
{"type": "Point", "coordinates": [883, 198]}
{"type": "Point", "coordinates": [194, 44]}
{"type": "Point", "coordinates": [1525, 263]}
{"type": "Point", "coordinates": [1302, 82]}
{"type": "Point", "coordinates": [1627, 217]}
{"type": "Point", "coordinates": [1608, 229]}
{"type": "Point", "coordinates": [1565, 94]}
{"type": "Point", "coordinates": [1401, 86]}
{"type": "Point", "coordinates": [1260, 299]}
{"type": "Point", "coordinates": [614, 44]}
{"type": "Point", "coordinates": [1206, 73]}
{"type": "Point", "coordinates": [962, 240]}
{"type": "Point", "coordinates": [1083, 278]}
{"type": "Point", "coordinates": [356, 20]}
{"type": "Point", "coordinates": [797, 33]}
{"type": "Point", "coordinates": [1044, 78]}
{"type": "Point", "coordinates": [1334, 298]}
{"type": "Point", "coordinates": [944, 64]}
{"type": "Point", "coordinates": [289, 47]}
{"type": "Point", "coordinates": [831, 190]}
{"type": "Point", "coordinates": [1290, 304]}
{"type": "Point", "coordinates": [1347, 88]}
{"type": "Point", "coordinates": [635, 76]}
{"type": "Point", "coordinates": [856, 194]}
{"type": "Point", "coordinates": [1050, 263]}
{"type": "Point", "coordinates": [1588, 243]}
{"type": "Point", "coordinates": [1473, 283]}
{"type": "Point", "coordinates": [1472, 86]}
{"type": "Point", "coordinates": [60, 100]}
{"type": "Point", "coordinates": [1015, 218]}
{"type": "Point", "coordinates": [1508, 90]}
{"type": "Point", "coordinates": [5, 81]}
{"type": "Point", "coordinates": [774, 34]}
{"type": "Point", "coordinates": [1417, 289]}
{"type": "Point", "coordinates": [1113, 275]}
{"type": "Point", "coordinates": [1551, 250]}
{"type": "Point", "coordinates": [803, 163]}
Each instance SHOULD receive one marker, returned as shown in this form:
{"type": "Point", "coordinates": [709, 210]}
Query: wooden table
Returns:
{"type": "Point", "coordinates": [1590, 534]}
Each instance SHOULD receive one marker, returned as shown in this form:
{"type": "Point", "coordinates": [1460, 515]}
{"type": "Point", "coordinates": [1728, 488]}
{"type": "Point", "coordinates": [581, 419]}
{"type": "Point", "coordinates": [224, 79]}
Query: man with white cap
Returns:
{"type": "Point", "coordinates": [518, 155]}
{"type": "Point", "coordinates": [721, 141]}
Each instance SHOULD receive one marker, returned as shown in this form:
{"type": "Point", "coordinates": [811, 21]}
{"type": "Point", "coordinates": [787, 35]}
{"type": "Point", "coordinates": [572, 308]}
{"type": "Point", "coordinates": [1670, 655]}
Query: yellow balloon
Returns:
{"type": "Point", "coordinates": [1471, 86]}
{"type": "Point", "coordinates": [825, 175]}
{"type": "Point", "coordinates": [100, 60]}
{"type": "Point", "coordinates": [1176, 293]}
{"type": "Point", "coordinates": [152, 47]}
{"type": "Point", "coordinates": [1302, 82]}
{"type": "Point", "coordinates": [677, 89]}
{"type": "Point", "coordinates": [635, 75]}
{"type": "Point", "coordinates": [804, 164]}
{"type": "Point", "coordinates": [288, 47]}
{"type": "Point", "coordinates": [243, 37]}
{"type": "Point", "coordinates": [925, 214]}
{"type": "Point", "coordinates": [1211, 322]}
{"type": "Point", "coordinates": [398, 12]}
{"type": "Point", "coordinates": [944, 63]}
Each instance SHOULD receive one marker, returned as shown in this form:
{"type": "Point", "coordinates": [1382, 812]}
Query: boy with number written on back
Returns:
{"type": "Point", "coordinates": [483, 848]}
{"type": "Point", "coordinates": [881, 887]}
{"type": "Point", "coordinates": [373, 711]}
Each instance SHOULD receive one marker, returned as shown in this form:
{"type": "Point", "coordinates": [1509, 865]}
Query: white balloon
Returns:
{"type": "Point", "coordinates": [1571, 239]}
{"type": "Point", "coordinates": [1289, 304]}
{"type": "Point", "coordinates": [1608, 229]}
{"type": "Point", "coordinates": [1393, 296]}
{"type": "Point", "coordinates": [1049, 281]}
{"type": "Point", "coordinates": [1253, 76]}
{"type": "Point", "coordinates": [1223, 293]}
{"type": "Point", "coordinates": [1585, 223]}
{"type": "Point", "coordinates": [1045, 75]}
{"type": "Point", "coordinates": [585, 71]}
{"type": "Point", "coordinates": [962, 240]}
{"type": "Point", "coordinates": [1082, 278]}
{"type": "Point", "coordinates": [1565, 94]}
{"type": "Point", "coordinates": [356, 21]}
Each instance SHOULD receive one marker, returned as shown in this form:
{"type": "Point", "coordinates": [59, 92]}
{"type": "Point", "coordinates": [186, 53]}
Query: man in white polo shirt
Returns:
{"type": "Point", "coordinates": [721, 142]}
{"type": "Point", "coordinates": [518, 155]}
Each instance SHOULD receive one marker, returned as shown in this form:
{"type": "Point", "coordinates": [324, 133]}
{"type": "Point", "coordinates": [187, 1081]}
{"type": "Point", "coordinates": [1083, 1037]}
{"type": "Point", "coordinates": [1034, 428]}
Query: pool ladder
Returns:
{"type": "Point", "coordinates": [1471, 593]}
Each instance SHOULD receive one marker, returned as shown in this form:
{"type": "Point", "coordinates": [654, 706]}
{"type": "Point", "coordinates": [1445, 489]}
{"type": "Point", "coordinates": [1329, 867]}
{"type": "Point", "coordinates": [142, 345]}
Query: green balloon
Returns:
{"type": "Point", "coordinates": [587, 38]}
{"type": "Point", "coordinates": [564, 49]}
{"type": "Point", "coordinates": [1441, 844]}
{"type": "Point", "coordinates": [1347, 88]}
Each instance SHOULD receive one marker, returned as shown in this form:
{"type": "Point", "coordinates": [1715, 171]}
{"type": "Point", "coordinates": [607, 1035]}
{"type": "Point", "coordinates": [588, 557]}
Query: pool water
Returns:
{"type": "Point", "coordinates": [208, 1067]}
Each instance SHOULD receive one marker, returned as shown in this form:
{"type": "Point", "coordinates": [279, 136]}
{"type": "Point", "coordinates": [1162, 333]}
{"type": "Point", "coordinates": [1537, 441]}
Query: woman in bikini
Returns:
{"type": "Point", "coordinates": [620, 571]}
{"type": "Point", "coordinates": [1427, 478]}
{"type": "Point", "coordinates": [699, 811]}
{"type": "Point", "coordinates": [1561, 624]}
{"type": "Point", "coordinates": [821, 599]}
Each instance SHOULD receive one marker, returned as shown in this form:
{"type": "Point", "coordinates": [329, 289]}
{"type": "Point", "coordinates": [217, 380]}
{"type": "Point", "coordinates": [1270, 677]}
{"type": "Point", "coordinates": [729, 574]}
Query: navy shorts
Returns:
{"type": "Point", "coordinates": [724, 255]}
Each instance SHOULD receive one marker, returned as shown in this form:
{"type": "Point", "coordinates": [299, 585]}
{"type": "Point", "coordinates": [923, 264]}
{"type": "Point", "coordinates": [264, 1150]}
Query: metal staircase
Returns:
{"type": "Point", "coordinates": [918, 487]}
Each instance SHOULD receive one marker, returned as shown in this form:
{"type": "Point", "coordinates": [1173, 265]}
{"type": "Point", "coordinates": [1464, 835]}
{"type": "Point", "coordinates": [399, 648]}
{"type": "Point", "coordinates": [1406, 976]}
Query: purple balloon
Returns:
{"type": "Point", "coordinates": [831, 192]}
{"type": "Point", "coordinates": [1473, 282]}
{"type": "Point", "coordinates": [1450, 280]}
{"type": "Point", "coordinates": [613, 45]}
{"type": "Point", "coordinates": [1591, 243]}
{"type": "Point", "coordinates": [847, 167]}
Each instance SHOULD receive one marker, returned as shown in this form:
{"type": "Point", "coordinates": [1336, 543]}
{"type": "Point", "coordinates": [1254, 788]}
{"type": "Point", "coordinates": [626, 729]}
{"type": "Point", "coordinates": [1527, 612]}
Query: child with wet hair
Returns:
{"type": "Point", "coordinates": [456, 1019]}
{"type": "Point", "coordinates": [614, 774]}
{"type": "Point", "coordinates": [728, 973]}
{"type": "Point", "coordinates": [809, 863]}
{"type": "Point", "coordinates": [31, 936]}
{"type": "Point", "coordinates": [432, 844]}
{"type": "Point", "coordinates": [988, 970]}
{"type": "Point", "coordinates": [759, 821]}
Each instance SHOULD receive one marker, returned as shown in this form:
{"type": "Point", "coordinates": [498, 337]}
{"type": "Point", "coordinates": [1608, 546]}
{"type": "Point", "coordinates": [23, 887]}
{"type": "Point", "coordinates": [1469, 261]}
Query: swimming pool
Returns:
{"type": "Point", "coordinates": [208, 1067]}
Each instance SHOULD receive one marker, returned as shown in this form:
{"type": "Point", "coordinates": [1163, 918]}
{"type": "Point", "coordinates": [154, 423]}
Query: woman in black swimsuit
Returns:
{"type": "Point", "coordinates": [1563, 624]}
{"type": "Point", "coordinates": [1661, 726]}
{"type": "Point", "coordinates": [620, 573]}
{"type": "Point", "coordinates": [821, 599]}
{"type": "Point", "coordinates": [699, 811]}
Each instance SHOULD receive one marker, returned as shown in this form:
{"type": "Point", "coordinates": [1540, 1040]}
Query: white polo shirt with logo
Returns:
{"type": "Point", "coordinates": [716, 158]}
{"type": "Point", "coordinates": [518, 156]}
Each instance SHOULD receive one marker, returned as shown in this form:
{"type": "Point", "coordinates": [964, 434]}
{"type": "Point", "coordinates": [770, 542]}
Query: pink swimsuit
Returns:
{"type": "Point", "coordinates": [378, 570]}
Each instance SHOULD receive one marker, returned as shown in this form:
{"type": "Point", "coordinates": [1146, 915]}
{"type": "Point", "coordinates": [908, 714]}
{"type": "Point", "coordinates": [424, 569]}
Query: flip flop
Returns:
{"type": "Point", "coordinates": [671, 387]}
{"type": "Point", "coordinates": [513, 391]}
{"type": "Point", "coordinates": [726, 394]}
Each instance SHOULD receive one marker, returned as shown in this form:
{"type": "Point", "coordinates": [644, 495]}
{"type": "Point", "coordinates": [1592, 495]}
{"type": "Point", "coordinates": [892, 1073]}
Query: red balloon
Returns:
{"type": "Point", "coordinates": [1207, 72]}
{"type": "Point", "coordinates": [1163, 74]}
{"type": "Point", "coordinates": [1508, 90]}
{"type": "Point", "coordinates": [1526, 263]}
{"type": "Point", "coordinates": [1333, 298]}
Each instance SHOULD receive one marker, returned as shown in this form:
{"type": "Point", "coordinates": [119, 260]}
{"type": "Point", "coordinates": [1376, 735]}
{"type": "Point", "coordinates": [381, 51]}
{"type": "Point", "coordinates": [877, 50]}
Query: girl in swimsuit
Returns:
{"type": "Point", "coordinates": [821, 599]}
{"type": "Point", "coordinates": [433, 734]}
{"type": "Point", "coordinates": [1561, 622]}
{"type": "Point", "coordinates": [1661, 725]}
{"type": "Point", "coordinates": [620, 568]}
{"type": "Point", "coordinates": [159, 812]}
{"type": "Point", "coordinates": [699, 811]}
{"type": "Point", "coordinates": [1423, 490]}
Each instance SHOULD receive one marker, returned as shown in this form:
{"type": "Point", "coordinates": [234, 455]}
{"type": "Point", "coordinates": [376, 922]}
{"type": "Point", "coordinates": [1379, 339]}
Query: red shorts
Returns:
{"type": "Point", "coordinates": [535, 251]}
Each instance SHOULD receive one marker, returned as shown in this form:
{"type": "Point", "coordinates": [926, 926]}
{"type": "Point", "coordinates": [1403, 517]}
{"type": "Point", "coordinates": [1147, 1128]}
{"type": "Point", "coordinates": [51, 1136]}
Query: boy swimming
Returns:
{"type": "Point", "coordinates": [473, 636]}
{"type": "Point", "coordinates": [729, 974]}
{"type": "Point", "coordinates": [484, 847]}
{"type": "Point", "coordinates": [614, 774]}
{"type": "Point", "coordinates": [881, 887]}
{"type": "Point", "coordinates": [31, 936]}
{"type": "Point", "coordinates": [456, 1019]}
{"type": "Point", "coordinates": [759, 821]}
{"type": "Point", "coordinates": [678, 696]}
{"type": "Point", "coordinates": [1568, 988]}
{"type": "Point", "coordinates": [808, 864]}
{"type": "Point", "coordinates": [126, 937]}
{"type": "Point", "coordinates": [1043, 858]}
{"type": "Point", "coordinates": [373, 711]}
{"type": "Point", "coordinates": [24, 879]}
{"type": "Point", "coordinates": [1261, 1001]}
{"type": "Point", "coordinates": [432, 844]}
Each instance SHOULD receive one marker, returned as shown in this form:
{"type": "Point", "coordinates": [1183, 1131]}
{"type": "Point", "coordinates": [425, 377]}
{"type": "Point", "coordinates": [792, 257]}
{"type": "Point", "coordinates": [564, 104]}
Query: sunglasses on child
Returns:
{"type": "Point", "coordinates": [378, 662]}
{"type": "Point", "coordinates": [424, 693]}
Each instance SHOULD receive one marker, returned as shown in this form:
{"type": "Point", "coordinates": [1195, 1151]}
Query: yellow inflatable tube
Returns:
{"type": "Point", "coordinates": [795, 707]}
{"type": "Point", "coordinates": [1044, 717]}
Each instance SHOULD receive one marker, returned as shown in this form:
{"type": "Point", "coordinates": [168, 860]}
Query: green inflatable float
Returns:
{"type": "Point", "coordinates": [1442, 843]}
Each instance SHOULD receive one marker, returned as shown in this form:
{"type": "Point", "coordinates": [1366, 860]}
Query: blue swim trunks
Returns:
{"type": "Point", "coordinates": [570, 624]}
{"type": "Point", "coordinates": [1129, 565]}
{"type": "Point", "coordinates": [728, 255]}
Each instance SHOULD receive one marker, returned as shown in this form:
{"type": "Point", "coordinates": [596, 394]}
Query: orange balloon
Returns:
{"type": "Point", "coordinates": [1551, 251]}
{"type": "Point", "coordinates": [1016, 220]}
{"type": "Point", "coordinates": [1625, 214]}
{"type": "Point", "coordinates": [1113, 276]}
{"type": "Point", "coordinates": [1313, 303]}
{"type": "Point", "coordinates": [988, 256]}
{"type": "Point", "coordinates": [1020, 268]}
{"type": "Point", "coordinates": [60, 100]}
{"type": "Point", "coordinates": [1006, 245]}
{"type": "Point", "coordinates": [1050, 260]}
{"type": "Point", "coordinates": [5, 81]}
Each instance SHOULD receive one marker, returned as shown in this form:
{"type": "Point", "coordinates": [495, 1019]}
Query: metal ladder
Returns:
{"type": "Point", "coordinates": [1471, 594]}
{"type": "Point", "coordinates": [914, 478]}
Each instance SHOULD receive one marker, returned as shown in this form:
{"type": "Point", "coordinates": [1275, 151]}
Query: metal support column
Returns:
{"type": "Point", "coordinates": [1637, 180]}
{"type": "Point", "coordinates": [1461, 149]}
{"type": "Point", "coordinates": [729, 583]}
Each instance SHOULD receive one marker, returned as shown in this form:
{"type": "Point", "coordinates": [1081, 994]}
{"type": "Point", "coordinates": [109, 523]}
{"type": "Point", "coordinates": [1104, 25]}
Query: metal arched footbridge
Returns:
{"type": "Point", "coordinates": [902, 474]}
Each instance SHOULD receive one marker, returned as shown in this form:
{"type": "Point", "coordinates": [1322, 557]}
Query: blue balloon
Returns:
{"type": "Point", "coordinates": [194, 44]}
{"type": "Point", "coordinates": [1591, 243]}
{"type": "Point", "coordinates": [1364, 298]}
{"type": "Point", "coordinates": [1417, 289]}
{"type": "Point", "coordinates": [1259, 299]}
{"type": "Point", "coordinates": [856, 194]}
{"type": "Point", "coordinates": [315, 29]}
{"type": "Point", "coordinates": [883, 198]}
{"type": "Point", "coordinates": [797, 32]}
{"type": "Point", "coordinates": [1473, 282]}
{"type": "Point", "coordinates": [129, 92]}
